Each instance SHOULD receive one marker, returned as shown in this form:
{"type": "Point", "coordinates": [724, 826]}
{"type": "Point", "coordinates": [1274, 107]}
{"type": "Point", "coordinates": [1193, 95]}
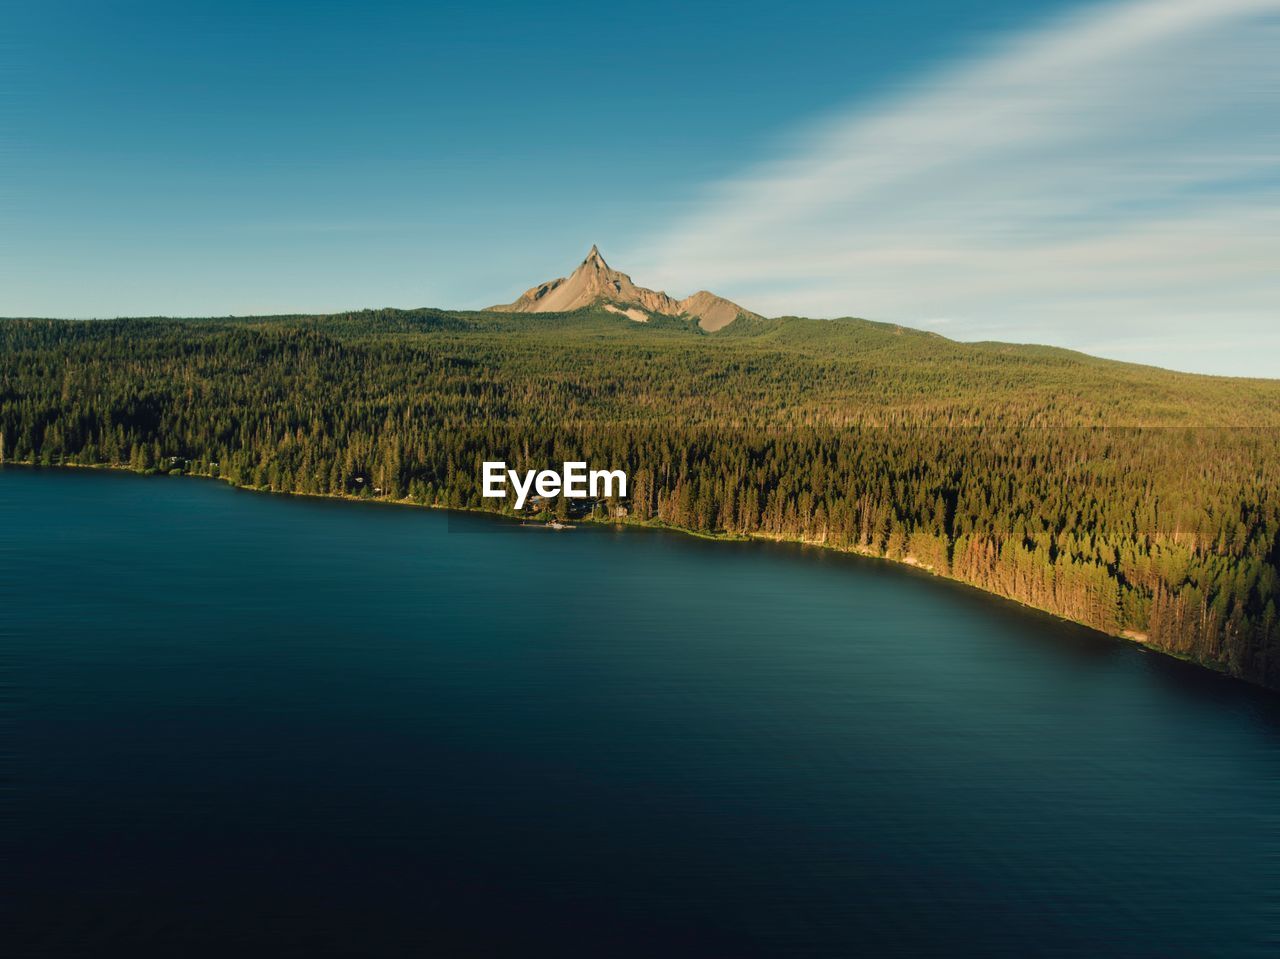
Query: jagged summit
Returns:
{"type": "Point", "coordinates": [594, 282]}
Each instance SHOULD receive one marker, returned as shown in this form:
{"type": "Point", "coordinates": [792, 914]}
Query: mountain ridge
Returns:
{"type": "Point", "coordinates": [594, 282]}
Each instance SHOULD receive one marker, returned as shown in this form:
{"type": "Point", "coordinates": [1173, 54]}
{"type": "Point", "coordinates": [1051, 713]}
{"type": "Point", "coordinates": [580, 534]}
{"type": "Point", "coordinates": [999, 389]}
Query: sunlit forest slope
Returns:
{"type": "Point", "coordinates": [1135, 500]}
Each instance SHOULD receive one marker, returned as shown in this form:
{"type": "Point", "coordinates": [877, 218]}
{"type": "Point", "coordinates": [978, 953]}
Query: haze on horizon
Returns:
{"type": "Point", "coordinates": [1099, 176]}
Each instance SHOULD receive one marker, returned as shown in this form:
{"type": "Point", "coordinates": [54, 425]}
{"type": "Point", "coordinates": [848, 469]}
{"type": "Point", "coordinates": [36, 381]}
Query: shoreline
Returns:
{"type": "Point", "coordinates": [1128, 636]}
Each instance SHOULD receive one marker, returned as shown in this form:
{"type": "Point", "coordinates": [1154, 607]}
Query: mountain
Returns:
{"type": "Point", "coordinates": [594, 282]}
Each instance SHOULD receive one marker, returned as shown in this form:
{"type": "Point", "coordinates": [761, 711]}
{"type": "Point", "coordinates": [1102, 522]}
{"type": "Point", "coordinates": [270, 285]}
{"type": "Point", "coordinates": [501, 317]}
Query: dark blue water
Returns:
{"type": "Point", "coordinates": [245, 724]}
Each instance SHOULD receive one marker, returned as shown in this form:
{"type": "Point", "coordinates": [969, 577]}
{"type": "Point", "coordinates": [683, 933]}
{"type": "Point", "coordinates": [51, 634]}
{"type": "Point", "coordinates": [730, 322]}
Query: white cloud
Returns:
{"type": "Point", "coordinates": [1110, 179]}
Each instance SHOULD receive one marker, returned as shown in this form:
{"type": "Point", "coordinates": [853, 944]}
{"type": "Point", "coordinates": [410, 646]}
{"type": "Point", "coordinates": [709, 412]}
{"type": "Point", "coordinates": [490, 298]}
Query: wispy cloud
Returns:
{"type": "Point", "coordinates": [1110, 178]}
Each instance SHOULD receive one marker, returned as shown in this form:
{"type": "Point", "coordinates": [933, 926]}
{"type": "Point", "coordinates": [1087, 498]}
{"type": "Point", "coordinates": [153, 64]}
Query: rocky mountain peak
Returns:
{"type": "Point", "coordinates": [595, 283]}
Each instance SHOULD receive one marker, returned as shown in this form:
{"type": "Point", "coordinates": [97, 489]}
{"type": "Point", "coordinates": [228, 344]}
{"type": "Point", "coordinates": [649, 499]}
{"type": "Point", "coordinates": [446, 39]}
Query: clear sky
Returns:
{"type": "Point", "coordinates": [1100, 176]}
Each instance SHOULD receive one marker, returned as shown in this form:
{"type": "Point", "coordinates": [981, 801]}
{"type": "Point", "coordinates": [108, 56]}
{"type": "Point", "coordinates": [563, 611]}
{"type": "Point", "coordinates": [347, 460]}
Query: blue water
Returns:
{"type": "Point", "coordinates": [244, 724]}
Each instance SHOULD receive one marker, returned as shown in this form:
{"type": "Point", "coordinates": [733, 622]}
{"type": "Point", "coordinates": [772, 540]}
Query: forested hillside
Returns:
{"type": "Point", "coordinates": [1128, 498]}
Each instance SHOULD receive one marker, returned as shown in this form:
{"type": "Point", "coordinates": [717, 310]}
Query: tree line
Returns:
{"type": "Point", "coordinates": [1101, 492]}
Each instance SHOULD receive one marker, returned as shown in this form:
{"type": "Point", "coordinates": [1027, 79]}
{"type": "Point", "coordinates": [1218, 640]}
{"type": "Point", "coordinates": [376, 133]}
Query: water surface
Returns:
{"type": "Point", "coordinates": [266, 725]}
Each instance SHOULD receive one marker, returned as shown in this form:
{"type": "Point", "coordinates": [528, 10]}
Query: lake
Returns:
{"type": "Point", "coordinates": [243, 723]}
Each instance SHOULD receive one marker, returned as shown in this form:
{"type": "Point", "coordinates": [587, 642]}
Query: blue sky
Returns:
{"type": "Point", "coordinates": [210, 158]}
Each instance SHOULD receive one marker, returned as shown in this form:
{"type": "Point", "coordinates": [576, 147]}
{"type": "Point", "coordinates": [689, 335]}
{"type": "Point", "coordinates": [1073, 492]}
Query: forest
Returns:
{"type": "Point", "coordinates": [1138, 501]}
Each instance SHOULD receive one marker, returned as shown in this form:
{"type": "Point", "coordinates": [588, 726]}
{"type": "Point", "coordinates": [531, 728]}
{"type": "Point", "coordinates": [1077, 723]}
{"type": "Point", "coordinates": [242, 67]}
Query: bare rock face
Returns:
{"type": "Point", "coordinates": [595, 282]}
{"type": "Point", "coordinates": [713, 312]}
